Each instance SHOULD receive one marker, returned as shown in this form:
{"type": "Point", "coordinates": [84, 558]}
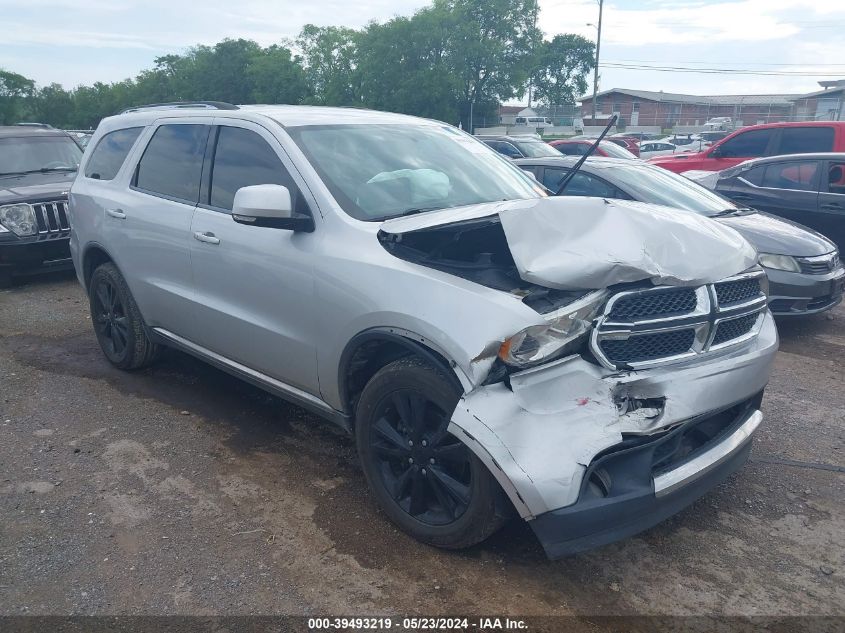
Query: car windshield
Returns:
{"type": "Point", "coordinates": [26, 154]}
{"type": "Point", "coordinates": [376, 171]}
{"type": "Point", "coordinates": [614, 150]}
{"type": "Point", "coordinates": [659, 186]}
{"type": "Point", "coordinates": [536, 149]}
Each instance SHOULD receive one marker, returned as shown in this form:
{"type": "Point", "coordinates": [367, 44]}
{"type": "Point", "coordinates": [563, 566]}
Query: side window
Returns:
{"type": "Point", "coordinates": [505, 148]}
{"type": "Point", "coordinates": [749, 144]}
{"type": "Point", "coordinates": [572, 149]}
{"type": "Point", "coordinates": [581, 184]}
{"type": "Point", "coordinates": [806, 140]}
{"type": "Point", "coordinates": [172, 163]}
{"type": "Point", "coordinates": [754, 176]}
{"type": "Point", "coordinates": [836, 178]}
{"type": "Point", "coordinates": [111, 151]}
{"type": "Point", "coordinates": [242, 158]}
{"type": "Point", "coordinates": [793, 175]}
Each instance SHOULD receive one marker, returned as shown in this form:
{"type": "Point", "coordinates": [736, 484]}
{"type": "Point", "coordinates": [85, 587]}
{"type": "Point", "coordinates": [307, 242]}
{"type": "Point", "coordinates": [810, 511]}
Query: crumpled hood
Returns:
{"type": "Point", "coordinates": [33, 187]}
{"type": "Point", "coordinates": [572, 243]}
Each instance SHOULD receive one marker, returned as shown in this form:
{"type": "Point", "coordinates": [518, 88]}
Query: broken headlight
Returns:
{"type": "Point", "coordinates": [19, 218]}
{"type": "Point", "coordinates": [564, 333]}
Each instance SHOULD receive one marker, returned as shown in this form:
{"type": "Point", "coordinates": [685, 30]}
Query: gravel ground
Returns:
{"type": "Point", "coordinates": [180, 490]}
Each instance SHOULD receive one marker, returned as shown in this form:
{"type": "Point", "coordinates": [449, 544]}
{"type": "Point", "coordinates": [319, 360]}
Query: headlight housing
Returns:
{"type": "Point", "coordinates": [565, 332]}
{"type": "Point", "coordinates": [779, 262]}
{"type": "Point", "coordinates": [19, 218]}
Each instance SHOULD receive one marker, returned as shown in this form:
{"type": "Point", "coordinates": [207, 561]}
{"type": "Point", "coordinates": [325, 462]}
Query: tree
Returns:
{"type": "Point", "coordinates": [490, 48]}
{"type": "Point", "coordinates": [331, 59]}
{"type": "Point", "coordinates": [562, 65]}
{"type": "Point", "coordinates": [54, 104]}
{"type": "Point", "coordinates": [16, 91]}
{"type": "Point", "coordinates": [277, 76]}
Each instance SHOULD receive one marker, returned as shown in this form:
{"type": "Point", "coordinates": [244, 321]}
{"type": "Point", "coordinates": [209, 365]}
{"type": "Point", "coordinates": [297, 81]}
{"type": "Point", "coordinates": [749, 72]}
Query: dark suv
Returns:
{"type": "Point", "coordinates": [37, 167]}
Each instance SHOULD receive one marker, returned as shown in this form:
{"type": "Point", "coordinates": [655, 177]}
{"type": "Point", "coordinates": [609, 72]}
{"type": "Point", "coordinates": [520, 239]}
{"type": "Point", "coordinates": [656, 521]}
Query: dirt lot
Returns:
{"type": "Point", "coordinates": [182, 490]}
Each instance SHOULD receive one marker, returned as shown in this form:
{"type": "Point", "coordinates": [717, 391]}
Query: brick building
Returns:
{"type": "Point", "coordinates": [643, 107]}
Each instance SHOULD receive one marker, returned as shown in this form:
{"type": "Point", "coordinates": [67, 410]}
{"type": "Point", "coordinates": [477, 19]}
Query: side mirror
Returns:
{"type": "Point", "coordinates": [715, 152]}
{"type": "Point", "coordinates": [268, 206]}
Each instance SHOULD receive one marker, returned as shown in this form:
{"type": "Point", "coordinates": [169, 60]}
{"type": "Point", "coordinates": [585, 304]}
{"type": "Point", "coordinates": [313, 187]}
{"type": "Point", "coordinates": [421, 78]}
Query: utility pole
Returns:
{"type": "Point", "coordinates": [530, 80]}
{"type": "Point", "coordinates": [596, 73]}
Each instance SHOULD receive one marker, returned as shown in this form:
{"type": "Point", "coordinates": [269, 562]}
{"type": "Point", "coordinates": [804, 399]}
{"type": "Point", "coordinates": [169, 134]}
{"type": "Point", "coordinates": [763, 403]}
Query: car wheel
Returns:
{"type": "Point", "coordinates": [117, 321]}
{"type": "Point", "coordinates": [426, 480]}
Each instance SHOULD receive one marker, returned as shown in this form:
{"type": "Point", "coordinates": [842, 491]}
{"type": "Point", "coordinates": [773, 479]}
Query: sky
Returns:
{"type": "Point", "coordinates": [75, 42]}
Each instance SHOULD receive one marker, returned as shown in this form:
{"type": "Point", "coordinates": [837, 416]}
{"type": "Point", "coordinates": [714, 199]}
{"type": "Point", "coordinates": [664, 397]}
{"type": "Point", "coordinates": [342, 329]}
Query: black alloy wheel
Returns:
{"type": "Point", "coordinates": [424, 478]}
{"type": "Point", "coordinates": [426, 469]}
{"type": "Point", "coordinates": [111, 322]}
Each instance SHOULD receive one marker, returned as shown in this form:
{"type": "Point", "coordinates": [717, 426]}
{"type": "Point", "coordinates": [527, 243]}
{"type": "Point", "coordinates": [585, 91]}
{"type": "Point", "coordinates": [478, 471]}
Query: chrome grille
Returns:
{"type": "Point", "coordinates": [645, 347]}
{"type": "Point", "coordinates": [820, 265]}
{"type": "Point", "coordinates": [740, 291]}
{"type": "Point", "coordinates": [671, 301]}
{"type": "Point", "coordinates": [642, 328]}
{"type": "Point", "coordinates": [52, 219]}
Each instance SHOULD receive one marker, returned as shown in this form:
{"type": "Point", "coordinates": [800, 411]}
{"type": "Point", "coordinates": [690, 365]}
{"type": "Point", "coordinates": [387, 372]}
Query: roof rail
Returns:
{"type": "Point", "coordinates": [175, 105]}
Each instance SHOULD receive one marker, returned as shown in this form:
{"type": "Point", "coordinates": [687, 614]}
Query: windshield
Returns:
{"type": "Point", "coordinates": [377, 172]}
{"type": "Point", "coordinates": [22, 154]}
{"type": "Point", "coordinates": [659, 186]}
{"type": "Point", "coordinates": [536, 149]}
{"type": "Point", "coordinates": [614, 150]}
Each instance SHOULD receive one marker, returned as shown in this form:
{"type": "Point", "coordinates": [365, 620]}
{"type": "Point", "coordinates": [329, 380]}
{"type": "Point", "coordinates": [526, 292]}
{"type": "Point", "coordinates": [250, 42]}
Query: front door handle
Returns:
{"type": "Point", "coordinates": [116, 213]}
{"type": "Point", "coordinates": [207, 237]}
{"type": "Point", "coordinates": [833, 206]}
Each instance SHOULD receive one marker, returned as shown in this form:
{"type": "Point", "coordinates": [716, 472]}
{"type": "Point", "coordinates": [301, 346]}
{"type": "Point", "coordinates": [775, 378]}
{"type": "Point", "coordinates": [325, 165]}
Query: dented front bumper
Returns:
{"type": "Point", "coordinates": [541, 436]}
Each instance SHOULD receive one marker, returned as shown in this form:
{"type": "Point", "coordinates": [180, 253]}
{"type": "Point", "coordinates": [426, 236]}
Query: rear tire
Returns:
{"type": "Point", "coordinates": [426, 480]}
{"type": "Point", "coordinates": [117, 321]}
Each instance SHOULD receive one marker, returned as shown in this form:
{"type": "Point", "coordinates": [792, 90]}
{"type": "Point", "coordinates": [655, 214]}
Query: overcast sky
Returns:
{"type": "Point", "coordinates": [76, 42]}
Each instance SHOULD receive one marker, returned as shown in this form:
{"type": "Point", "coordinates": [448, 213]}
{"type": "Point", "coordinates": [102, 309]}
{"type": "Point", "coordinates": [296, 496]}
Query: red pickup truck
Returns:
{"type": "Point", "coordinates": [770, 139]}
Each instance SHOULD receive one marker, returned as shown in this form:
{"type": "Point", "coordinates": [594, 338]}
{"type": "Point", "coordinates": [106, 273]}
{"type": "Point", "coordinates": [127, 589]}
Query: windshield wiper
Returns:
{"type": "Point", "coordinates": [43, 170]}
{"type": "Point", "coordinates": [726, 212]}
{"type": "Point", "coordinates": [413, 211]}
{"type": "Point", "coordinates": [571, 173]}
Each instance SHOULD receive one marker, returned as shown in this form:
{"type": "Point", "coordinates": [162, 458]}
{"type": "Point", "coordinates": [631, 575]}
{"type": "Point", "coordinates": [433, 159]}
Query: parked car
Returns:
{"type": "Point", "coordinates": [627, 142]}
{"type": "Point", "coordinates": [771, 139]}
{"type": "Point", "coordinates": [37, 165]}
{"type": "Point", "coordinates": [517, 146]}
{"type": "Point", "coordinates": [570, 147]}
{"type": "Point", "coordinates": [491, 348]}
{"type": "Point", "coordinates": [537, 122]}
{"type": "Point", "coordinates": [640, 136]}
{"type": "Point", "coordinates": [805, 188]}
{"type": "Point", "coordinates": [804, 269]}
{"type": "Point", "coordinates": [650, 149]}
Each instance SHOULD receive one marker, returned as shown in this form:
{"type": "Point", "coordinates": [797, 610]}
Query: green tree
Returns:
{"type": "Point", "coordinates": [331, 60]}
{"type": "Point", "coordinates": [277, 76]}
{"type": "Point", "coordinates": [562, 65]}
{"type": "Point", "coordinates": [54, 104]}
{"type": "Point", "coordinates": [16, 92]}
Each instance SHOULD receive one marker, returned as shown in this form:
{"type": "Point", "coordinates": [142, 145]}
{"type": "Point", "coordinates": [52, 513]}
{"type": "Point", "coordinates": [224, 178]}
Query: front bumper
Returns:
{"type": "Point", "coordinates": [799, 294]}
{"type": "Point", "coordinates": [635, 487]}
{"type": "Point", "coordinates": [28, 257]}
{"type": "Point", "coordinates": [540, 435]}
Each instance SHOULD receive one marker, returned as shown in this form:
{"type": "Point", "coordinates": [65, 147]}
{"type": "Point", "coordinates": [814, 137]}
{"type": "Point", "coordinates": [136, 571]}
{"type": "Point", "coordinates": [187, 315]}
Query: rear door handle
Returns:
{"type": "Point", "coordinates": [832, 206]}
{"type": "Point", "coordinates": [207, 237]}
{"type": "Point", "coordinates": [116, 213]}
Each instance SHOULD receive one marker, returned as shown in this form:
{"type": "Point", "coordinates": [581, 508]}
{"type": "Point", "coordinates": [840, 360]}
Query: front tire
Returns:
{"type": "Point", "coordinates": [426, 480]}
{"type": "Point", "coordinates": [117, 321]}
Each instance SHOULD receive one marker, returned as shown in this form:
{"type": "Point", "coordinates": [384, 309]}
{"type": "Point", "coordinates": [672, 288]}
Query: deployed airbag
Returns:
{"type": "Point", "coordinates": [578, 243]}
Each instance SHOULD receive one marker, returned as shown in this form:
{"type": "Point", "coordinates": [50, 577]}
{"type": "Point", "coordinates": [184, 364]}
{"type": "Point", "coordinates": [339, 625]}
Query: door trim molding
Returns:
{"type": "Point", "coordinates": [263, 381]}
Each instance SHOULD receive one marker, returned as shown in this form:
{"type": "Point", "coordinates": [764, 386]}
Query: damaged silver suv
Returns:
{"type": "Point", "coordinates": [592, 365]}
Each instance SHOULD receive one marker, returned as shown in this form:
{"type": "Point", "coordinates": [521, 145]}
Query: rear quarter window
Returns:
{"type": "Point", "coordinates": [806, 140]}
{"type": "Point", "coordinates": [110, 153]}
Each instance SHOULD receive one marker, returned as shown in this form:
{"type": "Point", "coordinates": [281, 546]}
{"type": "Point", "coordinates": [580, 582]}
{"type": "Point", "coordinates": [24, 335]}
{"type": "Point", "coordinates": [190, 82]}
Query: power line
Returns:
{"type": "Point", "coordinates": [721, 71]}
{"type": "Point", "coordinates": [660, 61]}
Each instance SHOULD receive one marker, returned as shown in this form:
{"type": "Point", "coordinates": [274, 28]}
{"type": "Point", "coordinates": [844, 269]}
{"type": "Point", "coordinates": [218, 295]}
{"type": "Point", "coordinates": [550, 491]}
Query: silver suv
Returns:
{"type": "Point", "coordinates": [591, 365]}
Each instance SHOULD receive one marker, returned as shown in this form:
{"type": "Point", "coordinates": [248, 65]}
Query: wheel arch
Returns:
{"type": "Point", "coordinates": [372, 349]}
{"type": "Point", "coordinates": [95, 255]}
